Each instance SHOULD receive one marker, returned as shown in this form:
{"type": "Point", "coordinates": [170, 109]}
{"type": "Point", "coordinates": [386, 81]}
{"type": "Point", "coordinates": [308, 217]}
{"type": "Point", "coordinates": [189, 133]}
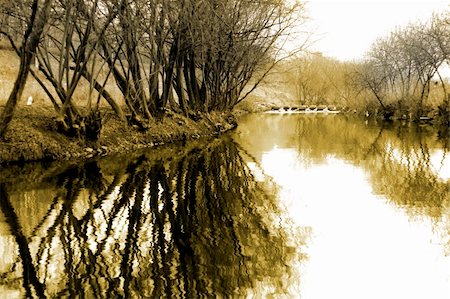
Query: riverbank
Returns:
{"type": "Point", "coordinates": [32, 135]}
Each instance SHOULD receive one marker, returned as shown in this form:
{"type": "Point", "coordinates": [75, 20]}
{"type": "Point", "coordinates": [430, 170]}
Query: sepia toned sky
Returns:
{"type": "Point", "coordinates": [346, 29]}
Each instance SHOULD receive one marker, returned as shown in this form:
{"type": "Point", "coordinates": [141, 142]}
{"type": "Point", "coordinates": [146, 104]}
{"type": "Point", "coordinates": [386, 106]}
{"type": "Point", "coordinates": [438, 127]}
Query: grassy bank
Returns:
{"type": "Point", "coordinates": [33, 136]}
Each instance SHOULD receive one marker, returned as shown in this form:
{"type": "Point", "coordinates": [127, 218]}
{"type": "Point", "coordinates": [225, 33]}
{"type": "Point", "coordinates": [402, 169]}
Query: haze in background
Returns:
{"type": "Point", "coordinates": [346, 29]}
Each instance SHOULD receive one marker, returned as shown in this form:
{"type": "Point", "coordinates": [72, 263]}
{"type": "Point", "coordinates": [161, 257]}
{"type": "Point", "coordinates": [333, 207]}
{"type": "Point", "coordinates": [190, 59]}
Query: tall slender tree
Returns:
{"type": "Point", "coordinates": [38, 19]}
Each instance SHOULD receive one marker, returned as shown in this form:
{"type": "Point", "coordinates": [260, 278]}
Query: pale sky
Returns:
{"type": "Point", "coordinates": [346, 29]}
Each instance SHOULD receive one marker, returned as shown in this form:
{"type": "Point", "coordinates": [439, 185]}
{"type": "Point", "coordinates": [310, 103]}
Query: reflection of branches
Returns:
{"type": "Point", "coordinates": [412, 180]}
{"type": "Point", "coordinates": [29, 272]}
{"type": "Point", "coordinates": [397, 157]}
{"type": "Point", "coordinates": [373, 148]}
{"type": "Point", "coordinates": [185, 228]}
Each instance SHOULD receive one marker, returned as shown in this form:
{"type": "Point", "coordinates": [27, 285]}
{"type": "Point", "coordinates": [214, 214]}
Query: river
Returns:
{"type": "Point", "coordinates": [286, 206]}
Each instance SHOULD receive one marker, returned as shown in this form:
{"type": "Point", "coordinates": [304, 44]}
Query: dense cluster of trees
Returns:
{"type": "Point", "coordinates": [401, 73]}
{"type": "Point", "coordinates": [187, 56]}
{"type": "Point", "coordinates": [402, 67]}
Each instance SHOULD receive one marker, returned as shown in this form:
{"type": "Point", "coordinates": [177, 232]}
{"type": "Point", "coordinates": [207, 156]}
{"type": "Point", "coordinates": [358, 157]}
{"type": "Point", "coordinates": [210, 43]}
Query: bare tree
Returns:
{"type": "Point", "coordinates": [67, 54]}
{"type": "Point", "coordinates": [39, 14]}
{"type": "Point", "coordinates": [368, 76]}
{"type": "Point", "coordinates": [404, 64]}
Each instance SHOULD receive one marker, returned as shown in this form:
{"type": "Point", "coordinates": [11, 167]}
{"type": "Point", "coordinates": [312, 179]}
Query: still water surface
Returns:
{"type": "Point", "coordinates": [287, 206]}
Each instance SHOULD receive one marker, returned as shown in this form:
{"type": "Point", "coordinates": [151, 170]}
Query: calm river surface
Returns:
{"type": "Point", "coordinates": [286, 206]}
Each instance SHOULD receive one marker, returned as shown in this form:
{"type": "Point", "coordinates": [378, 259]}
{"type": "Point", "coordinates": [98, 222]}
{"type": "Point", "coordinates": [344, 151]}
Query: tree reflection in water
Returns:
{"type": "Point", "coordinates": [192, 226]}
{"type": "Point", "coordinates": [402, 161]}
{"type": "Point", "coordinates": [398, 160]}
{"type": "Point", "coordinates": [397, 157]}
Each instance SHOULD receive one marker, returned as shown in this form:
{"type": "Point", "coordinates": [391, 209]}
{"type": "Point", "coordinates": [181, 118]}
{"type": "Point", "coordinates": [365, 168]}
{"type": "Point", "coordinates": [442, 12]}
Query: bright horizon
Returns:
{"type": "Point", "coordinates": [346, 29]}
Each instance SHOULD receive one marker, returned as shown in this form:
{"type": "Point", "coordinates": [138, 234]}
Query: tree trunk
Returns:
{"type": "Point", "coordinates": [105, 94]}
{"type": "Point", "coordinates": [31, 41]}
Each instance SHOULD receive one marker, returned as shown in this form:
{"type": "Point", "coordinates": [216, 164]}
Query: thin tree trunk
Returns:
{"type": "Point", "coordinates": [105, 94]}
{"type": "Point", "coordinates": [31, 41]}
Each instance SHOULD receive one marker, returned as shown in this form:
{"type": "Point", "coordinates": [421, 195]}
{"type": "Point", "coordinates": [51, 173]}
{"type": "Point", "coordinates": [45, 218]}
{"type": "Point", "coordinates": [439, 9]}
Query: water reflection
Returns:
{"type": "Point", "coordinates": [191, 225]}
{"type": "Point", "coordinates": [367, 204]}
{"type": "Point", "coordinates": [374, 196]}
{"type": "Point", "coordinates": [404, 162]}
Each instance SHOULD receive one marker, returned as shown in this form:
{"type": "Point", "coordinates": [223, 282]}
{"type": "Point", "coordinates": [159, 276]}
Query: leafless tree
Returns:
{"type": "Point", "coordinates": [38, 16]}
{"type": "Point", "coordinates": [67, 55]}
{"type": "Point", "coordinates": [402, 65]}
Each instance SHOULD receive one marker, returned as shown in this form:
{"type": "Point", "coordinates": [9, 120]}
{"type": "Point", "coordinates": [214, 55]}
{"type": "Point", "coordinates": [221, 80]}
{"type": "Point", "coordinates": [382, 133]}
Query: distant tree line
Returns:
{"type": "Point", "coordinates": [400, 74]}
{"type": "Point", "coordinates": [402, 67]}
{"type": "Point", "coordinates": [316, 79]}
{"type": "Point", "coordinates": [188, 56]}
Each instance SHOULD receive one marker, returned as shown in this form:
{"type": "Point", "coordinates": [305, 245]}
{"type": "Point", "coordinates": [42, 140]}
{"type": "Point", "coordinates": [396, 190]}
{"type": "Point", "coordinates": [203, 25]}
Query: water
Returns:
{"type": "Point", "coordinates": [287, 206]}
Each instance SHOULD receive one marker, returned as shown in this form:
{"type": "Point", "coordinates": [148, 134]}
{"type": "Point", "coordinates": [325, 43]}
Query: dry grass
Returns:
{"type": "Point", "coordinates": [9, 66]}
{"type": "Point", "coordinates": [8, 72]}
